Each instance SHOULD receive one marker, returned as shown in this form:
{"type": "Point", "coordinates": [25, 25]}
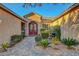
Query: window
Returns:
{"type": "Point", "coordinates": [45, 26]}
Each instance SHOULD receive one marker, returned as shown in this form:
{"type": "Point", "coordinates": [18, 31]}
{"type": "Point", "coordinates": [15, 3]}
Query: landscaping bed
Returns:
{"type": "Point", "coordinates": [14, 40]}
{"type": "Point", "coordinates": [52, 38]}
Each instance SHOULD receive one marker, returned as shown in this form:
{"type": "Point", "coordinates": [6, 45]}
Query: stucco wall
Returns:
{"type": "Point", "coordinates": [9, 25]}
{"type": "Point", "coordinates": [69, 24]}
{"type": "Point", "coordinates": [70, 27]}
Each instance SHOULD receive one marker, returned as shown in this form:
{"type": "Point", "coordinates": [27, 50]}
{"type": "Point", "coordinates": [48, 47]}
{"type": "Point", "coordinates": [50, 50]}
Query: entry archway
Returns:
{"type": "Point", "coordinates": [33, 28]}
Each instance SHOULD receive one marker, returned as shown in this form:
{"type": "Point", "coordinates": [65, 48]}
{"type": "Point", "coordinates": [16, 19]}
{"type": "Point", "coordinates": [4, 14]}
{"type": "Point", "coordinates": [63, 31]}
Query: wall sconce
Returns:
{"type": "Point", "coordinates": [0, 21]}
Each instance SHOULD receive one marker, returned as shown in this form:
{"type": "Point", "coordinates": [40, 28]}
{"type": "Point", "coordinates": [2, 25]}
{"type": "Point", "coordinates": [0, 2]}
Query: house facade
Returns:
{"type": "Point", "coordinates": [30, 24]}
{"type": "Point", "coordinates": [10, 24]}
{"type": "Point", "coordinates": [69, 22]}
{"type": "Point", "coordinates": [33, 24]}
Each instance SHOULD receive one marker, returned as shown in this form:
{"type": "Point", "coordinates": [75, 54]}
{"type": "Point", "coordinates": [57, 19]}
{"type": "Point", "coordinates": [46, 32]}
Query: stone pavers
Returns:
{"type": "Point", "coordinates": [27, 47]}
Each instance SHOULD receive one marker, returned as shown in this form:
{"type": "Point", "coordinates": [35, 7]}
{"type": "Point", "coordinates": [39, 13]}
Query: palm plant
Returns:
{"type": "Point", "coordinates": [69, 42]}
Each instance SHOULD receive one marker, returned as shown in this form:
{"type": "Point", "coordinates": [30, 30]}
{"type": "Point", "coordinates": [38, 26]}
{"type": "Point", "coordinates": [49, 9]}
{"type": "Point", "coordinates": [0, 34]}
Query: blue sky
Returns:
{"type": "Point", "coordinates": [47, 10]}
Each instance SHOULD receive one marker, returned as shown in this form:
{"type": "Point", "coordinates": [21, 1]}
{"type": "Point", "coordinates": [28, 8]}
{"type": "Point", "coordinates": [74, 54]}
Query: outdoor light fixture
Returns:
{"type": "Point", "coordinates": [0, 21]}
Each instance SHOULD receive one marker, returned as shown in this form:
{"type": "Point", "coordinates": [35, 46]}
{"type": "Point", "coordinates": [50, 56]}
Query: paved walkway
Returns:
{"type": "Point", "coordinates": [27, 48]}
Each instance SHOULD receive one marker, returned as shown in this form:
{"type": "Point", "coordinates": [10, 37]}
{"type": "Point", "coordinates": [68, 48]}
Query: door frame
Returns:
{"type": "Point", "coordinates": [33, 33]}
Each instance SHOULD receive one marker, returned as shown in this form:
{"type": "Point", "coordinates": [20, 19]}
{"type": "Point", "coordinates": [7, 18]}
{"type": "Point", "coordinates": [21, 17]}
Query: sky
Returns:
{"type": "Point", "coordinates": [46, 10]}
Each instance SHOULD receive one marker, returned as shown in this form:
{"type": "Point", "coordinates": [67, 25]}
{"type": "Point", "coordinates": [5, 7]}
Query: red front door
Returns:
{"type": "Point", "coordinates": [33, 29]}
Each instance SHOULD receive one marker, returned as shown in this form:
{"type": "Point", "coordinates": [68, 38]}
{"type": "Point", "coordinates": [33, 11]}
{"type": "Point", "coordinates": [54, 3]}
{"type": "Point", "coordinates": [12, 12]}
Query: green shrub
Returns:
{"type": "Point", "coordinates": [45, 34]}
{"type": "Point", "coordinates": [16, 38]}
{"type": "Point", "coordinates": [42, 29]}
{"type": "Point", "coordinates": [5, 46]}
{"type": "Point", "coordinates": [69, 42]}
{"type": "Point", "coordinates": [44, 42]}
{"type": "Point", "coordinates": [57, 31]}
{"type": "Point", "coordinates": [38, 38]}
{"type": "Point", "coordinates": [55, 41]}
{"type": "Point", "coordinates": [23, 34]}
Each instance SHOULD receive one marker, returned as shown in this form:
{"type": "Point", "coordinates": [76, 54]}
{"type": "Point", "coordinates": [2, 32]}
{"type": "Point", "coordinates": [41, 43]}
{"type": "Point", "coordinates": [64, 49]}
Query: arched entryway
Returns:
{"type": "Point", "coordinates": [33, 28]}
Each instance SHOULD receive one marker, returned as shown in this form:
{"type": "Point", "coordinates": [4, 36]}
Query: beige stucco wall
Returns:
{"type": "Point", "coordinates": [35, 17]}
{"type": "Point", "coordinates": [69, 24]}
{"type": "Point", "coordinates": [70, 27]}
{"type": "Point", "coordinates": [9, 25]}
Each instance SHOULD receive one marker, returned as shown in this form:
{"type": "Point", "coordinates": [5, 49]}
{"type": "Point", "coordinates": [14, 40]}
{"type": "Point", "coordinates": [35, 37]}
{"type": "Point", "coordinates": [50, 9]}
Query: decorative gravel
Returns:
{"type": "Point", "coordinates": [27, 47]}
